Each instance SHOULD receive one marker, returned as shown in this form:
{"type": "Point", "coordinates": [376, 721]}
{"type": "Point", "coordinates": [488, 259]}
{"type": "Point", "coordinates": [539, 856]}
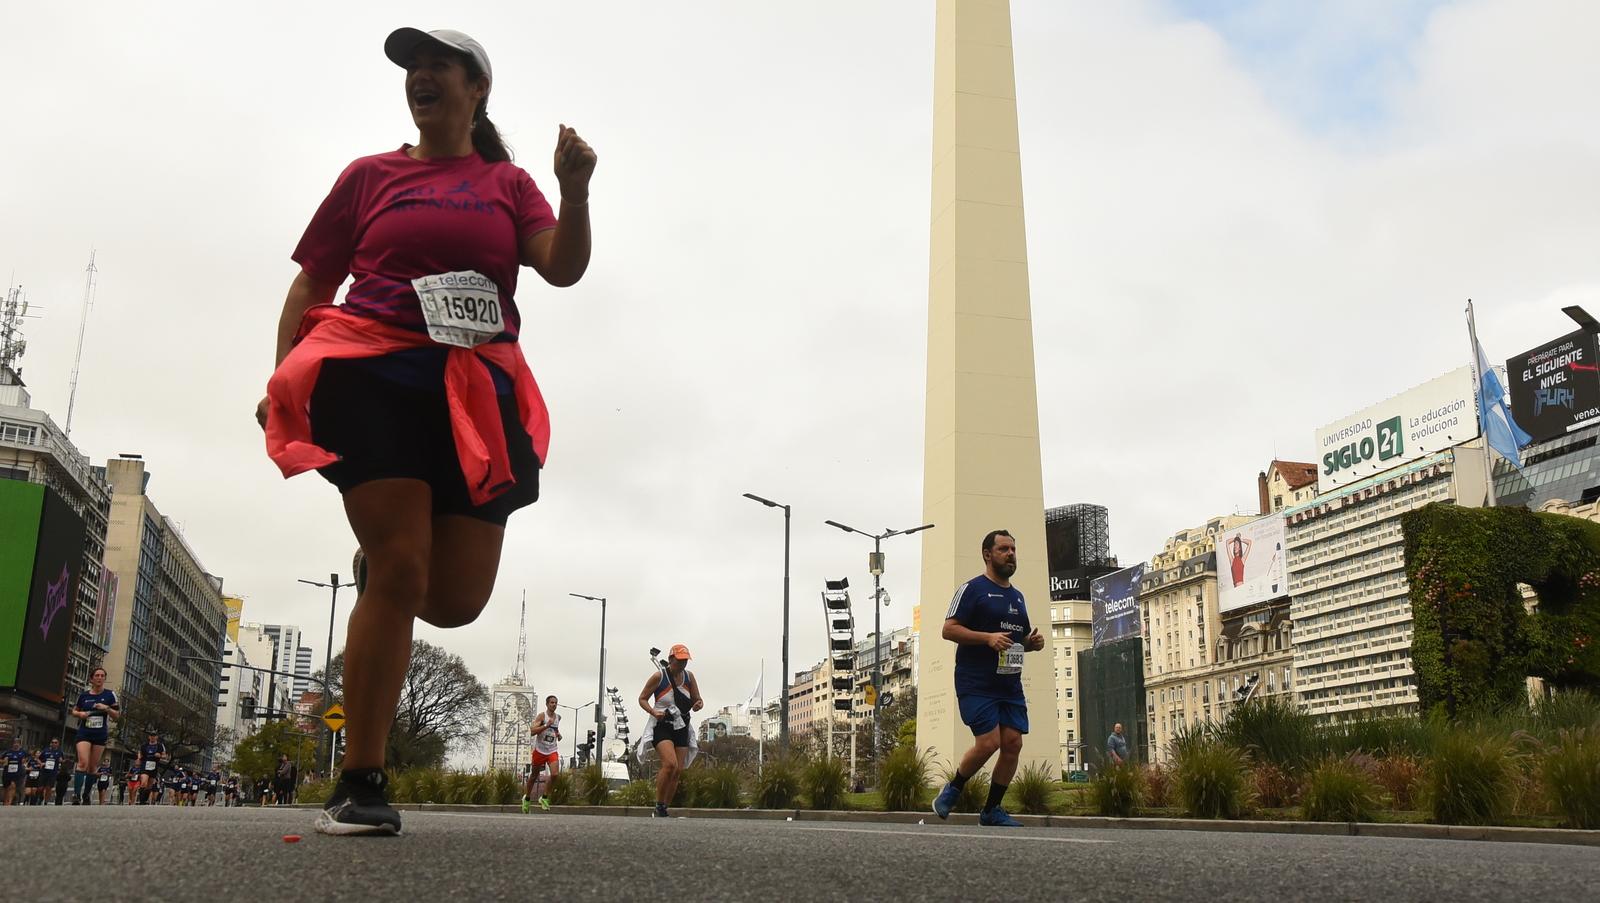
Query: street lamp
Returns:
{"type": "Point", "coordinates": [875, 565]}
{"type": "Point", "coordinates": [575, 709]}
{"type": "Point", "coordinates": [599, 723]}
{"type": "Point", "coordinates": [327, 667]}
{"type": "Point", "coordinates": [783, 700]}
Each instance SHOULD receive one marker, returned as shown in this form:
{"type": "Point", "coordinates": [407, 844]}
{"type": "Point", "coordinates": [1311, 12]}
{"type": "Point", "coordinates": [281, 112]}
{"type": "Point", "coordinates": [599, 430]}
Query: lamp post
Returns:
{"type": "Point", "coordinates": [600, 693]}
{"type": "Point", "coordinates": [875, 565]}
{"type": "Point", "coordinates": [783, 700]}
{"type": "Point", "coordinates": [327, 667]}
{"type": "Point", "coordinates": [574, 709]}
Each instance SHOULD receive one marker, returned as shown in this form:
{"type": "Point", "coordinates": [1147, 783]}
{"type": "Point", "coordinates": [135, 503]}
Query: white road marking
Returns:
{"type": "Point", "coordinates": [989, 835]}
{"type": "Point", "coordinates": [992, 835]}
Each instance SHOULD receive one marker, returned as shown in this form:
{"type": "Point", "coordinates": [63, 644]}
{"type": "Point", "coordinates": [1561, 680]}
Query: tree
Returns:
{"type": "Point", "coordinates": [894, 719]}
{"type": "Point", "coordinates": [256, 756]}
{"type": "Point", "coordinates": [185, 733]}
{"type": "Point", "coordinates": [443, 706]}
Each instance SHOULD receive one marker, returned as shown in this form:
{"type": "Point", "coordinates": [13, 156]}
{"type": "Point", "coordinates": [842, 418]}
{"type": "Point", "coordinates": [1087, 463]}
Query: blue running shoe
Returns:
{"type": "Point", "coordinates": [946, 800]}
{"type": "Point", "coordinates": [998, 818]}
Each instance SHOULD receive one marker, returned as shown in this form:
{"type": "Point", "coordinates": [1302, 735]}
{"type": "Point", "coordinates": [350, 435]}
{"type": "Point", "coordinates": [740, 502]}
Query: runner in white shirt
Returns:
{"type": "Point", "coordinates": [546, 730]}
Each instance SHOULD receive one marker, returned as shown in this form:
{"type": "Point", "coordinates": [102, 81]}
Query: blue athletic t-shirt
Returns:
{"type": "Point", "coordinates": [15, 759]}
{"type": "Point", "coordinates": [50, 759]}
{"type": "Point", "coordinates": [981, 604]}
{"type": "Point", "coordinates": [86, 702]}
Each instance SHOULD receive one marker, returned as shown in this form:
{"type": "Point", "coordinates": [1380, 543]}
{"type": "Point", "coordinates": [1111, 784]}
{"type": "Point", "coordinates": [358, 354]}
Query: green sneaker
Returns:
{"type": "Point", "coordinates": [544, 803]}
{"type": "Point", "coordinates": [524, 805]}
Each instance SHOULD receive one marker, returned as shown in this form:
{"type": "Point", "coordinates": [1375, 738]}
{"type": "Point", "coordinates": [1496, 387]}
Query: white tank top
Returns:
{"type": "Point", "coordinates": [546, 742]}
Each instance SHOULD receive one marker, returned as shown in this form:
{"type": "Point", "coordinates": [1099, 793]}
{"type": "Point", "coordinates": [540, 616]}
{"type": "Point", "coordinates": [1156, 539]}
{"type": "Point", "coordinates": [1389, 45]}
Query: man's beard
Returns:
{"type": "Point", "coordinates": [1005, 570]}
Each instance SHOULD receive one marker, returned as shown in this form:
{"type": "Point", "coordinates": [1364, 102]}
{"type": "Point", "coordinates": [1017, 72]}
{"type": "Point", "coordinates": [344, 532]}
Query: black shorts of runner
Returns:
{"type": "Point", "coordinates": [383, 429]}
{"type": "Point", "coordinates": [11, 777]}
{"type": "Point", "coordinates": [664, 732]}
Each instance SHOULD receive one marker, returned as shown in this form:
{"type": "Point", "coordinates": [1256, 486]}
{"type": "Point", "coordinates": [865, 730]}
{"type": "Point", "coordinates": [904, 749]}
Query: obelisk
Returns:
{"type": "Point", "coordinates": [981, 455]}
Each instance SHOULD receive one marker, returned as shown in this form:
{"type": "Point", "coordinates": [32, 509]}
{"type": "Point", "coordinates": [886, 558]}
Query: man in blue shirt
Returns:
{"type": "Point", "coordinates": [50, 762]}
{"type": "Point", "coordinates": [13, 765]}
{"type": "Point", "coordinates": [988, 621]}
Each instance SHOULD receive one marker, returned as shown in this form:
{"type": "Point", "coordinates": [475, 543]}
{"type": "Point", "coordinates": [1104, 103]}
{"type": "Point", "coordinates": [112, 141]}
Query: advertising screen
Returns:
{"type": "Point", "coordinates": [1114, 601]}
{"type": "Point", "coordinates": [57, 568]}
{"type": "Point", "coordinates": [20, 503]}
{"type": "Point", "coordinates": [1555, 388]}
{"type": "Point", "coordinates": [1250, 563]}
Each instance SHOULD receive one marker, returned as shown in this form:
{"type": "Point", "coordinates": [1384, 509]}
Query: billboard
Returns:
{"type": "Point", "coordinates": [1114, 600]}
{"type": "Point", "coordinates": [52, 599]}
{"type": "Point", "coordinates": [1250, 563]}
{"type": "Point", "coordinates": [20, 503]}
{"type": "Point", "coordinates": [1436, 415]}
{"type": "Point", "coordinates": [105, 610]}
{"type": "Point", "coordinates": [1073, 583]}
{"type": "Point", "coordinates": [1555, 388]}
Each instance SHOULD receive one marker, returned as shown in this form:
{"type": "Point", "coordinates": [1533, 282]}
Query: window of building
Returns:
{"type": "Point", "coordinates": [20, 433]}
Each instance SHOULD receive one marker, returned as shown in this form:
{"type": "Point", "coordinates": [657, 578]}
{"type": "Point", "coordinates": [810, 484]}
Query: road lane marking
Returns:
{"type": "Point", "coordinates": [992, 835]}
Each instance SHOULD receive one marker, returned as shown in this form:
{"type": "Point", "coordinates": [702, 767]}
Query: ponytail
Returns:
{"type": "Point", "coordinates": [486, 138]}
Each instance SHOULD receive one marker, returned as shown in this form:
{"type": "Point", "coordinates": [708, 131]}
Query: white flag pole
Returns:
{"type": "Point", "coordinates": [1477, 393]}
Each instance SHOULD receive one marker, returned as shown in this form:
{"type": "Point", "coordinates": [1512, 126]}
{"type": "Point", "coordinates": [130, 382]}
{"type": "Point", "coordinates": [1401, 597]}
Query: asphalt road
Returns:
{"type": "Point", "coordinates": [116, 853]}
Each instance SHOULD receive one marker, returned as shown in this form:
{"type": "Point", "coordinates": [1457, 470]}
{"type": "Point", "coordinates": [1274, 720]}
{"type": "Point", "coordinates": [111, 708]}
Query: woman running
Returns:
{"type": "Point", "coordinates": [413, 397]}
{"type": "Point", "coordinates": [669, 696]}
{"type": "Point", "coordinates": [102, 775]}
{"type": "Point", "coordinates": [35, 777]}
{"type": "Point", "coordinates": [95, 709]}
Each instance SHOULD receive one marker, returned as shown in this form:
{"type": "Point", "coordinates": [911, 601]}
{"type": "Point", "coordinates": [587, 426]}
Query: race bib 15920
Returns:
{"type": "Point", "coordinates": [461, 309]}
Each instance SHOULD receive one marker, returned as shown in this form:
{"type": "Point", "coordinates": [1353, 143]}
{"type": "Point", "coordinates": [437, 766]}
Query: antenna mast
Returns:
{"type": "Point", "coordinates": [520, 674]}
{"type": "Point", "coordinates": [12, 344]}
{"type": "Point", "coordinates": [83, 324]}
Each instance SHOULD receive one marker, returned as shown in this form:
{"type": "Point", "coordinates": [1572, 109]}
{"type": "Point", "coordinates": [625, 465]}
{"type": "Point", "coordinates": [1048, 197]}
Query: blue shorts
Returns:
{"type": "Point", "coordinates": [984, 713]}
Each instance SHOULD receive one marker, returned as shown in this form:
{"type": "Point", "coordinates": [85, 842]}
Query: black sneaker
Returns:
{"type": "Point", "coordinates": [661, 812]}
{"type": "Point", "coordinates": [359, 805]}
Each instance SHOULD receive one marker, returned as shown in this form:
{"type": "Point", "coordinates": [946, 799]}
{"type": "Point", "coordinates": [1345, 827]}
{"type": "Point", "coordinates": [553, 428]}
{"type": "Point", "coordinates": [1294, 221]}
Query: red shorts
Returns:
{"type": "Point", "coordinates": [540, 758]}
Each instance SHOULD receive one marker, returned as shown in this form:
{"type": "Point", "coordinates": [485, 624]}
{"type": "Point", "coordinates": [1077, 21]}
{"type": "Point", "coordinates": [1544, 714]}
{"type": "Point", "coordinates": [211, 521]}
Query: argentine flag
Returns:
{"type": "Point", "coordinates": [1494, 414]}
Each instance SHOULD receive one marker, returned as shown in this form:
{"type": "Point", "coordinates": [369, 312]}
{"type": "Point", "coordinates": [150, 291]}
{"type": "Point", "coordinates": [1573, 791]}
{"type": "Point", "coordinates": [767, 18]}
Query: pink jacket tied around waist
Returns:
{"type": "Point", "coordinates": [326, 332]}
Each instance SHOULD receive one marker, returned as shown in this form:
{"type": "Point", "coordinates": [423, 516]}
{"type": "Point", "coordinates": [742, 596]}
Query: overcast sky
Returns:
{"type": "Point", "coordinates": [1244, 220]}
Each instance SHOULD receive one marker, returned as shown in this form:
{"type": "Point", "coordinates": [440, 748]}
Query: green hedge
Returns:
{"type": "Point", "coordinates": [1474, 641]}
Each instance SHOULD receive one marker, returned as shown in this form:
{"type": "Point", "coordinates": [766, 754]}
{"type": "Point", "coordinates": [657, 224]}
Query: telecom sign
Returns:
{"type": "Point", "coordinates": [1114, 605]}
{"type": "Point", "coordinates": [1555, 388]}
{"type": "Point", "coordinates": [1439, 414]}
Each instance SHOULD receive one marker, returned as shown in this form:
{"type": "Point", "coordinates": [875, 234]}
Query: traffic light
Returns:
{"type": "Point", "coordinates": [247, 708]}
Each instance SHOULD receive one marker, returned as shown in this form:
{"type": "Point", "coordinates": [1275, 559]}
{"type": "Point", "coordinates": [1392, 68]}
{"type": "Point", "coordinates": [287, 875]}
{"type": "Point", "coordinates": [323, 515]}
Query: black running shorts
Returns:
{"type": "Point", "coordinates": [664, 732]}
{"type": "Point", "coordinates": [384, 429]}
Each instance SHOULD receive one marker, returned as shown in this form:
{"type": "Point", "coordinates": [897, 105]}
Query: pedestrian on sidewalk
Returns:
{"type": "Point", "coordinates": [1116, 747]}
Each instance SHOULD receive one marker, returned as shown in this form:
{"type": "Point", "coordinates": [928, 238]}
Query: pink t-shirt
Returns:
{"type": "Point", "coordinates": [390, 219]}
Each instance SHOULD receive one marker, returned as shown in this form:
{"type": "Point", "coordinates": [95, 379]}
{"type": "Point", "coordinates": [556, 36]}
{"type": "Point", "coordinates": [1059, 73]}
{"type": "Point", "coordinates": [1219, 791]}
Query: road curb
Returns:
{"type": "Point", "coordinates": [1492, 834]}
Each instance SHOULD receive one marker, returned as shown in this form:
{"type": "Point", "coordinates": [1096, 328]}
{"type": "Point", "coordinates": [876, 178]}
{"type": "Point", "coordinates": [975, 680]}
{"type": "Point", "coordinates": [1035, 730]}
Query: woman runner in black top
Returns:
{"type": "Point", "coordinates": [669, 696]}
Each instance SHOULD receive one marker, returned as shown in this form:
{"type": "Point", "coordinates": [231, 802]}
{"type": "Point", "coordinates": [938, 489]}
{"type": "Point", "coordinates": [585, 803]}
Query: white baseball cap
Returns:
{"type": "Point", "coordinates": [403, 42]}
